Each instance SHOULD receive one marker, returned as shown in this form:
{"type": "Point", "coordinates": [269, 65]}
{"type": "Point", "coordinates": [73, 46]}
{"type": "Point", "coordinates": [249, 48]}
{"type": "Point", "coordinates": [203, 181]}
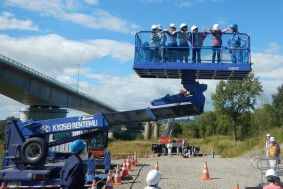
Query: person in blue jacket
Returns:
{"type": "Point", "coordinates": [72, 175]}
{"type": "Point", "coordinates": [234, 45]}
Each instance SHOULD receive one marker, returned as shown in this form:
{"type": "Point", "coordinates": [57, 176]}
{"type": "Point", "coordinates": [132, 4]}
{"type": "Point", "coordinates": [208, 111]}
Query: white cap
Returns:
{"type": "Point", "coordinates": [268, 135]}
{"type": "Point", "coordinates": [183, 25]}
{"type": "Point", "coordinates": [270, 172]}
{"type": "Point", "coordinates": [153, 177]}
{"type": "Point", "coordinates": [154, 26]}
{"type": "Point", "coordinates": [193, 28]}
{"type": "Point", "coordinates": [272, 139]}
{"type": "Point", "coordinates": [159, 26]}
{"type": "Point", "coordinates": [216, 27]}
{"type": "Point", "coordinates": [172, 25]}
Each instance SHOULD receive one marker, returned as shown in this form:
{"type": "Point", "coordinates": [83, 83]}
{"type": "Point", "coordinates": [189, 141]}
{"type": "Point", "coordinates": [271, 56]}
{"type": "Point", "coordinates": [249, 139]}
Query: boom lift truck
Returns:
{"type": "Point", "coordinates": [26, 161]}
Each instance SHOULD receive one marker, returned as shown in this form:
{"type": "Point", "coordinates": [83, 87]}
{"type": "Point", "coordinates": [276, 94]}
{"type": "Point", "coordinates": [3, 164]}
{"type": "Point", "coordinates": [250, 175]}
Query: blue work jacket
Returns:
{"type": "Point", "coordinates": [72, 175]}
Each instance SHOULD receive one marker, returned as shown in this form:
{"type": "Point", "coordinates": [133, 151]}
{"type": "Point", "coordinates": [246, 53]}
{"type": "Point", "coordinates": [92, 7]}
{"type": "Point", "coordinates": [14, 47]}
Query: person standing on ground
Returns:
{"type": "Point", "coordinates": [178, 149]}
{"type": "Point", "coordinates": [72, 175]}
{"type": "Point", "coordinates": [270, 176]}
{"type": "Point", "coordinates": [183, 146]}
{"type": "Point", "coordinates": [212, 153]}
{"type": "Point", "coordinates": [169, 147]}
{"type": "Point", "coordinates": [267, 144]}
{"type": "Point", "coordinates": [274, 153]}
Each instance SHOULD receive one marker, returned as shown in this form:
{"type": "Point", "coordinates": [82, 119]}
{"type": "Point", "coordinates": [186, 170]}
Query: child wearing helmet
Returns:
{"type": "Point", "coordinates": [72, 175]}
{"type": "Point", "coordinates": [216, 33]}
{"type": "Point", "coordinates": [271, 177]}
{"type": "Point", "coordinates": [196, 38]}
{"type": "Point", "coordinates": [153, 177]}
{"type": "Point", "coordinates": [234, 45]}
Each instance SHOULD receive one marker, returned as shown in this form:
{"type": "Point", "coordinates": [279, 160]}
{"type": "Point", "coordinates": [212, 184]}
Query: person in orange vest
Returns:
{"type": "Point", "coordinates": [274, 152]}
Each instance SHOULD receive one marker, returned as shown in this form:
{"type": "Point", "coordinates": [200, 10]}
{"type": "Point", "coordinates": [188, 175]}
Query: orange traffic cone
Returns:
{"type": "Point", "coordinates": [128, 164]}
{"type": "Point", "coordinates": [109, 183]}
{"type": "Point", "coordinates": [205, 175]}
{"type": "Point", "coordinates": [156, 167]}
{"type": "Point", "coordinates": [133, 161]}
{"type": "Point", "coordinates": [94, 185]}
{"type": "Point", "coordinates": [135, 158]}
{"type": "Point", "coordinates": [124, 172]}
{"type": "Point", "coordinates": [237, 186]}
{"type": "Point", "coordinates": [117, 177]}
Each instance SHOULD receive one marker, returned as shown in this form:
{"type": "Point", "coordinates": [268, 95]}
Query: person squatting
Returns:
{"type": "Point", "coordinates": [172, 45]}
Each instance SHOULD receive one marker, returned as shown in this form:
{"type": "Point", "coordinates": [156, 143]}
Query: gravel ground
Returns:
{"type": "Point", "coordinates": [183, 173]}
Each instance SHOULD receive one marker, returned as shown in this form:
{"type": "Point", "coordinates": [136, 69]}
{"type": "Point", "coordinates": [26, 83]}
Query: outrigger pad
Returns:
{"type": "Point", "coordinates": [143, 115]}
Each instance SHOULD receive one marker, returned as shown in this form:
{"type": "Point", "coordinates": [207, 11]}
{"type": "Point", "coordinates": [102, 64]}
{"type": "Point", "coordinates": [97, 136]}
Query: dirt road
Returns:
{"type": "Point", "coordinates": [182, 173]}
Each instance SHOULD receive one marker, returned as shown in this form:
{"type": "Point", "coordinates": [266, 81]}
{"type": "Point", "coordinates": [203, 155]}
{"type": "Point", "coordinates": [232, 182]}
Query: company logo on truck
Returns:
{"type": "Point", "coordinates": [74, 125]}
{"type": "Point", "coordinates": [45, 129]}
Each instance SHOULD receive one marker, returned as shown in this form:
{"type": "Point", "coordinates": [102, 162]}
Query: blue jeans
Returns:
{"type": "Point", "coordinates": [236, 56]}
{"type": "Point", "coordinates": [216, 50]}
{"type": "Point", "coordinates": [196, 56]}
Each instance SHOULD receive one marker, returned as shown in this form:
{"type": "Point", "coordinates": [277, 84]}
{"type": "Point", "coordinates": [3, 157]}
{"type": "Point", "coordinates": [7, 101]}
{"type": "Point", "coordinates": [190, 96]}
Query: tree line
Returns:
{"type": "Point", "coordinates": [235, 112]}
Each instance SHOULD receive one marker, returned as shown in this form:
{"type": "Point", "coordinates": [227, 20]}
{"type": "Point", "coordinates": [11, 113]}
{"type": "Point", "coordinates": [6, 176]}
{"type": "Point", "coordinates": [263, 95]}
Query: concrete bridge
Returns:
{"type": "Point", "coordinates": [44, 95]}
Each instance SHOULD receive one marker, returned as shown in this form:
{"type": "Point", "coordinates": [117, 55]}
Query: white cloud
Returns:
{"type": "Point", "coordinates": [46, 51]}
{"type": "Point", "coordinates": [9, 22]}
{"type": "Point", "coordinates": [9, 107]}
{"type": "Point", "coordinates": [92, 2]}
{"type": "Point", "coordinates": [273, 48]}
{"type": "Point", "coordinates": [98, 19]}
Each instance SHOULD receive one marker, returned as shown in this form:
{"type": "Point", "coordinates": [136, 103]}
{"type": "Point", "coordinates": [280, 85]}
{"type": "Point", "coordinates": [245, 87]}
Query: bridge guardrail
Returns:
{"type": "Point", "coordinates": [50, 79]}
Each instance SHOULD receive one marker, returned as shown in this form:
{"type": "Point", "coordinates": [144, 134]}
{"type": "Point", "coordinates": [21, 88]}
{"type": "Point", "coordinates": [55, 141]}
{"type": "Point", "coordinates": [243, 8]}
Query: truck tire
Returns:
{"type": "Point", "coordinates": [34, 151]}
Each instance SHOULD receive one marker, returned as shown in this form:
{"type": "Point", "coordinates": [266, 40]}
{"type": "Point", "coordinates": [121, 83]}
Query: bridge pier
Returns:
{"type": "Point", "coordinates": [147, 130]}
{"type": "Point", "coordinates": [42, 113]}
{"type": "Point", "coordinates": [156, 131]}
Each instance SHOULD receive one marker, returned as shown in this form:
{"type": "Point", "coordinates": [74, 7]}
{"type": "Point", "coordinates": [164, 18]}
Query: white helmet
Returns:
{"type": "Point", "coordinates": [154, 26]}
{"type": "Point", "coordinates": [159, 26]}
{"type": "Point", "coordinates": [216, 27]}
{"type": "Point", "coordinates": [193, 28]}
{"type": "Point", "coordinates": [153, 177]}
{"type": "Point", "coordinates": [272, 139]}
{"type": "Point", "coordinates": [183, 25]}
{"type": "Point", "coordinates": [270, 172]}
{"type": "Point", "coordinates": [268, 135]}
{"type": "Point", "coordinates": [172, 25]}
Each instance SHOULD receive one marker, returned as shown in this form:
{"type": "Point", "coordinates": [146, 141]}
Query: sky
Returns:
{"type": "Point", "coordinates": [89, 44]}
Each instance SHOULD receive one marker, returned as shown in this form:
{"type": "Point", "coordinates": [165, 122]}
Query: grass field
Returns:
{"type": "Point", "coordinates": [225, 146]}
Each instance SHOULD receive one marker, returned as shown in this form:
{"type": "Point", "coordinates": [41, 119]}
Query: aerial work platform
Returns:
{"type": "Point", "coordinates": [163, 61]}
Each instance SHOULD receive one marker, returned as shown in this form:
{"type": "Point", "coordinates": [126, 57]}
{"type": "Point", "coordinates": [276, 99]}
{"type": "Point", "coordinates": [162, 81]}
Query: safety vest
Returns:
{"type": "Point", "coordinates": [272, 151]}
